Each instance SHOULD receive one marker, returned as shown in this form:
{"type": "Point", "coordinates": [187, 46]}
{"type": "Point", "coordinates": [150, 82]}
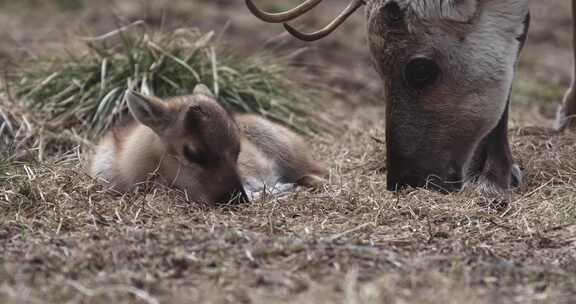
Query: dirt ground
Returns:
{"type": "Point", "coordinates": [63, 240]}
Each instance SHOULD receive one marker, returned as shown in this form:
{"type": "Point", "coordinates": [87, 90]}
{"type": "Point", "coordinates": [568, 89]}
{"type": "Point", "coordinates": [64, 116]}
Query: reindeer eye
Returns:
{"type": "Point", "coordinates": [393, 14]}
{"type": "Point", "coordinates": [191, 156]}
{"type": "Point", "coordinates": [421, 72]}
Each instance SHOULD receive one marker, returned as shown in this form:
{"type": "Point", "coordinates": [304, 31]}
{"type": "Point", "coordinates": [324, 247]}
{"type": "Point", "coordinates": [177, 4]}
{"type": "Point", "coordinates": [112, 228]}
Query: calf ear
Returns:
{"type": "Point", "coordinates": [203, 90]}
{"type": "Point", "coordinates": [148, 110]}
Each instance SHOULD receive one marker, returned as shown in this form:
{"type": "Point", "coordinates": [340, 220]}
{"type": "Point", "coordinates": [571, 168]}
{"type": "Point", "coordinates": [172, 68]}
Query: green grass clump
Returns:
{"type": "Point", "coordinates": [86, 92]}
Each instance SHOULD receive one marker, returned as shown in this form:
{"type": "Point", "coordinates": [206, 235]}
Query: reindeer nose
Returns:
{"type": "Point", "coordinates": [452, 183]}
{"type": "Point", "coordinates": [238, 195]}
{"type": "Point", "coordinates": [235, 197]}
{"type": "Point", "coordinates": [243, 197]}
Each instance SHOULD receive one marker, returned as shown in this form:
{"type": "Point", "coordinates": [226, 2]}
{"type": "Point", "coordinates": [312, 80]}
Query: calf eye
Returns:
{"type": "Point", "coordinates": [191, 156]}
{"type": "Point", "coordinates": [421, 72]}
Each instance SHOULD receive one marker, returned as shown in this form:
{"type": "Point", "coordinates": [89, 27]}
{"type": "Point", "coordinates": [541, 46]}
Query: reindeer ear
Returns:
{"type": "Point", "coordinates": [450, 10]}
{"type": "Point", "coordinates": [203, 90]}
{"type": "Point", "coordinates": [507, 16]}
{"type": "Point", "coordinates": [513, 10]}
{"type": "Point", "coordinates": [148, 110]}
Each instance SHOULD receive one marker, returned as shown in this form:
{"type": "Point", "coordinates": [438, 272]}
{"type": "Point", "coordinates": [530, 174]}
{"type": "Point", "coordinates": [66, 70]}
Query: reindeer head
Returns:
{"type": "Point", "coordinates": [447, 66]}
{"type": "Point", "coordinates": [201, 139]}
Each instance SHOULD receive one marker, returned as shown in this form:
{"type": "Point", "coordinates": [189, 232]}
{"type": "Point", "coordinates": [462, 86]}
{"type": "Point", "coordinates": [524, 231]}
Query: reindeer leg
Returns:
{"type": "Point", "coordinates": [567, 112]}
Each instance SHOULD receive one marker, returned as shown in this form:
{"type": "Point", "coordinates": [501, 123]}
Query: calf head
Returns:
{"type": "Point", "coordinates": [201, 140]}
{"type": "Point", "coordinates": [447, 67]}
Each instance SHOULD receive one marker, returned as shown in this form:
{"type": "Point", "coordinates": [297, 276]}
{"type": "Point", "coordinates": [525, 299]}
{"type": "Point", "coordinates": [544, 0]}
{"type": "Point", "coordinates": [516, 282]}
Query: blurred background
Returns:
{"type": "Point", "coordinates": [63, 240]}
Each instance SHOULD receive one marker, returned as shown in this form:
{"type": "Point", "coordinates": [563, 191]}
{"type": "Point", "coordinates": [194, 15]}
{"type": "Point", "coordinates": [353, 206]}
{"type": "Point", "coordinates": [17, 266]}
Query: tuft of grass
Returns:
{"type": "Point", "coordinates": [87, 92]}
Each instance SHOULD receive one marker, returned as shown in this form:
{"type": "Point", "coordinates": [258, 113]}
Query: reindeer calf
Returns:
{"type": "Point", "coordinates": [192, 143]}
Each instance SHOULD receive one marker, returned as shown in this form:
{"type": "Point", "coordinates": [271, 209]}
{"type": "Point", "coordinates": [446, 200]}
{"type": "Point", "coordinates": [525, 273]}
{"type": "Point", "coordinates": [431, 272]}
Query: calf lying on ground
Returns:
{"type": "Point", "coordinates": [192, 143]}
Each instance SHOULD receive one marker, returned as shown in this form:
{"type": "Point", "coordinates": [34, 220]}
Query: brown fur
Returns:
{"type": "Point", "coordinates": [193, 144]}
{"type": "Point", "coordinates": [279, 146]}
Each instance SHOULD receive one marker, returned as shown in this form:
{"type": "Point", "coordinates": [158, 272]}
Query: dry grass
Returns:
{"type": "Point", "coordinates": [65, 241]}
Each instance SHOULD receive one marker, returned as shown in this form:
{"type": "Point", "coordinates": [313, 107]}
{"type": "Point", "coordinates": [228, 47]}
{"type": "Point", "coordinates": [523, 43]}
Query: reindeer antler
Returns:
{"type": "Point", "coordinates": [300, 10]}
{"type": "Point", "coordinates": [284, 16]}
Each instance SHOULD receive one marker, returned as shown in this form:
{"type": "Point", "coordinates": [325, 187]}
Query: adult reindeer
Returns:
{"type": "Point", "coordinates": [447, 67]}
